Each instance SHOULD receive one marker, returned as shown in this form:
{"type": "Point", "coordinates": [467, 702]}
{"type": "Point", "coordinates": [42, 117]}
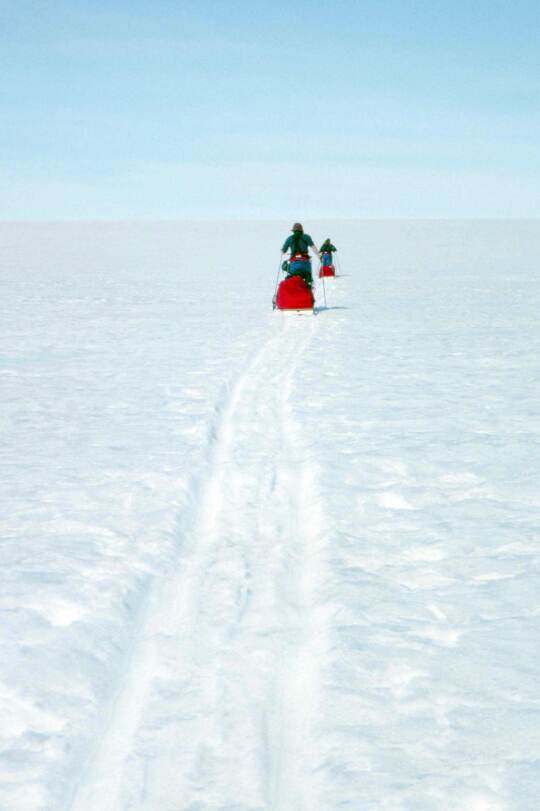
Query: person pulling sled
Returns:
{"type": "Point", "coordinates": [327, 261]}
{"type": "Point", "coordinates": [294, 293]}
{"type": "Point", "coordinates": [299, 263]}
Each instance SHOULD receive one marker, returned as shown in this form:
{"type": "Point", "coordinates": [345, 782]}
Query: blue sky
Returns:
{"type": "Point", "coordinates": [252, 109]}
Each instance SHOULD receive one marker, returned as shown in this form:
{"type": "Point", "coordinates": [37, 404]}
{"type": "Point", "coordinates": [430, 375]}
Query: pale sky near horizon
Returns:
{"type": "Point", "coordinates": [216, 109]}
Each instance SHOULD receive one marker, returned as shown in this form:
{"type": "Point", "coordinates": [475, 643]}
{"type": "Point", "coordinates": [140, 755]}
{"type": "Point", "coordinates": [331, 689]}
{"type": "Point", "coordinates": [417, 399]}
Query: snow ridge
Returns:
{"type": "Point", "coordinates": [224, 677]}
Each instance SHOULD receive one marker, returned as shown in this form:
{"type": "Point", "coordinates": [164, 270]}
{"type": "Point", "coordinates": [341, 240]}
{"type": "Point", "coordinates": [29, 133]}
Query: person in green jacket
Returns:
{"type": "Point", "coordinates": [326, 250]}
{"type": "Point", "coordinates": [299, 263]}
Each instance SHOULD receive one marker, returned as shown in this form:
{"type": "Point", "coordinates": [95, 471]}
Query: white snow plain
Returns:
{"type": "Point", "coordinates": [253, 562]}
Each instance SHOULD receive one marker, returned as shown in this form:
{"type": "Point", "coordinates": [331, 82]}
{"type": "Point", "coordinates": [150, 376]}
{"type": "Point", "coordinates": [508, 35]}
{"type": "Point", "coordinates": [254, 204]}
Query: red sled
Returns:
{"type": "Point", "coordinates": [327, 270]}
{"type": "Point", "coordinates": [294, 294]}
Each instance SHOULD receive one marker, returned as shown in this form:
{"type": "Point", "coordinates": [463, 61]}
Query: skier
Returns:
{"type": "Point", "coordinates": [326, 250]}
{"type": "Point", "coordinates": [299, 264]}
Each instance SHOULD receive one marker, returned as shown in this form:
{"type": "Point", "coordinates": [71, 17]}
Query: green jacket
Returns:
{"type": "Point", "coordinates": [297, 243]}
{"type": "Point", "coordinates": [327, 247]}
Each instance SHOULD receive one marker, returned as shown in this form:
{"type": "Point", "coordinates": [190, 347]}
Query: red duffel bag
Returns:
{"type": "Point", "coordinates": [294, 294]}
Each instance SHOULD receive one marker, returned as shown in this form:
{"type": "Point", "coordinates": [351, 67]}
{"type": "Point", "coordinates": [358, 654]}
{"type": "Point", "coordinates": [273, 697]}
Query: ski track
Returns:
{"type": "Point", "coordinates": [223, 677]}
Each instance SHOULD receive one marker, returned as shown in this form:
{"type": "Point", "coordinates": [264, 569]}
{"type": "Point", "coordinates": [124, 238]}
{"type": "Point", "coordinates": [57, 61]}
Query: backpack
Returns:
{"type": "Point", "coordinates": [299, 244]}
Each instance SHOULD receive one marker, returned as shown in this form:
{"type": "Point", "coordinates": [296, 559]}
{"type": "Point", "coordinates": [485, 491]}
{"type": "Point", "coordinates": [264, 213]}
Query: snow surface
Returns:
{"type": "Point", "coordinates": [254, 562]}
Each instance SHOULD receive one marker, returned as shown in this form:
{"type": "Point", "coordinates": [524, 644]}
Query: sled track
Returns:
{"type": "Point", "coordinates": [217, 706]}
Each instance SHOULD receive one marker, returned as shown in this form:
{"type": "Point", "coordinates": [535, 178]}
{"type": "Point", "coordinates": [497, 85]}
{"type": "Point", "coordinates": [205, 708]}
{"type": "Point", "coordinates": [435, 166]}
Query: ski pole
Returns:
{"type": "Point", "coordinates": [274, 297]}
{"type": "Point", "coordinates": [322, 277]}
{"type": "Point", "coordinates": [277, 275]}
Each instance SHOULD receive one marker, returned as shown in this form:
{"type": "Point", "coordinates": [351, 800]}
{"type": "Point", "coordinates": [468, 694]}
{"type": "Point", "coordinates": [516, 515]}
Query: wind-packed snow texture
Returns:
{"type": "Point", "coordinates": [253, 562]}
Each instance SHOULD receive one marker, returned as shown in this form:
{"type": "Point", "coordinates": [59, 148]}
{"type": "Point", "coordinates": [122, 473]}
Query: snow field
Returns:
{"type": "Point", "coordinates": [253, 562]}
{"type": "Point", "coordinates": [215, 631]}
{"type": "Point", "coordinates": [107, 406]}
{"type": "Point", "coordinates": [428, 435]}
